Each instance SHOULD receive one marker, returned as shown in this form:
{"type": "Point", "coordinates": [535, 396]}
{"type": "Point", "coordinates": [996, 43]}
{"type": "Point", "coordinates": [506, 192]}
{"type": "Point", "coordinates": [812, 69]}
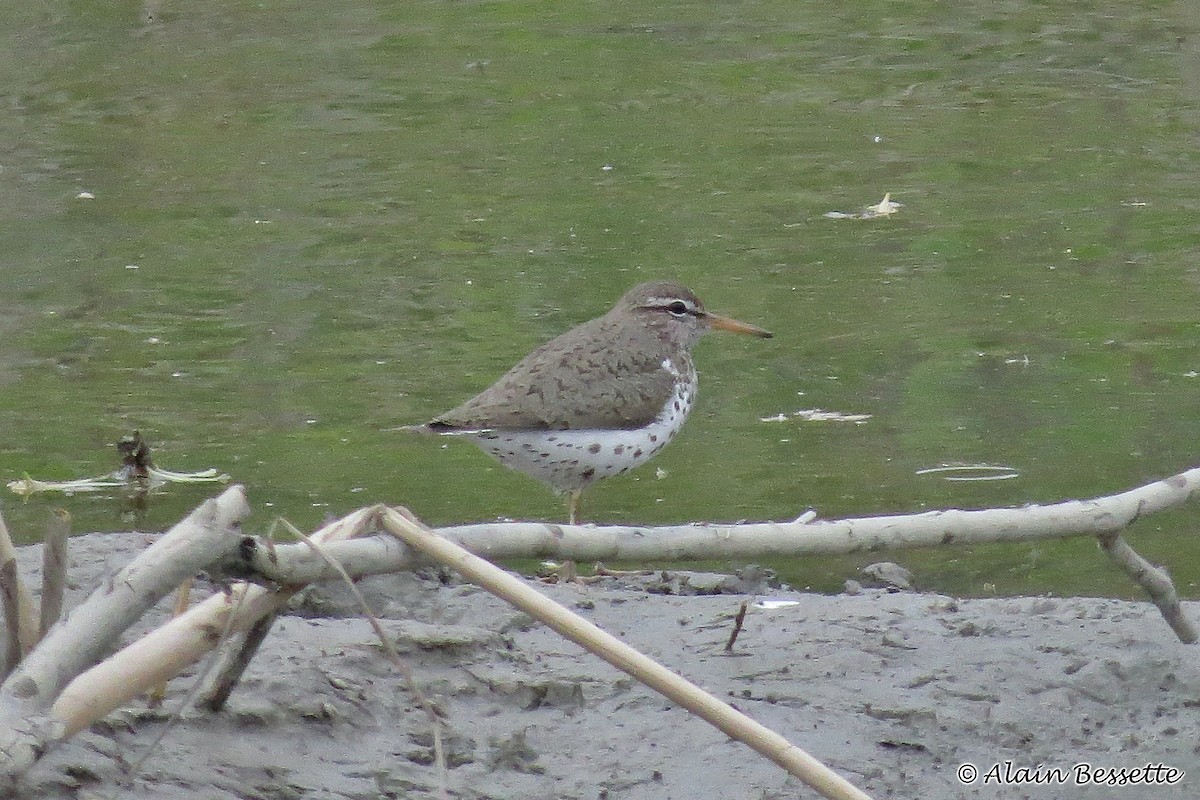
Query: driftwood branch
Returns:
{"type": "Point", "coordinates": [579, 630]}
{"type": "Point", "coordinates": [165, 651]}
{"type": "Point", "coordinates": [1154, 580]}
{"type": "Point", "coordinates": [156, 657]}
{"type": "Point", "coordinates": [54, 567]}
{"type": "Point", "coordinates": [82, 638]}
{"type": "Point", "coordinates": [1101, 517]}
{"type": "Point", "coordinates": [1109, 514]}
{"type": "Point", "coordinates": [10, 581]}
{"type": "Point", "coordinates": [209, 531]}
{"type": "Point", "coordinates": [234, 664]}
{"type": "Point", "coordinates": [20, 616]}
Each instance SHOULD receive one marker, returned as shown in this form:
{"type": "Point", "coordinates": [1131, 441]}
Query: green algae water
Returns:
{"type": "Point", "coordinates": [263, 234]}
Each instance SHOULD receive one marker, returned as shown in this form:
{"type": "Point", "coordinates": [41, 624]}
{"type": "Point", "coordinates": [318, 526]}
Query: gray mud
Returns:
{"type": "Point", "coordinates": [894, 690]}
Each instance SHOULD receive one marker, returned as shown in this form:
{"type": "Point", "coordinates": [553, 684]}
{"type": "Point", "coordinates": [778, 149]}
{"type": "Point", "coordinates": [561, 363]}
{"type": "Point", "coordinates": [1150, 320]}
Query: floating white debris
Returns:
{"type": "Point", "coordinates": [770, 603]}
{"type": "Point", "coordinates": [884, 208]}
{"type": "Point", "coordinates": [203, 476]}
{"type": "Point", "coordinates": [27, 485]}
{"type": "Point", "coordinates": [85, 196]}
{"type": "Point", "coordinates": [819, 415]}
{"type": "Point", "coordinates": [971, 472]}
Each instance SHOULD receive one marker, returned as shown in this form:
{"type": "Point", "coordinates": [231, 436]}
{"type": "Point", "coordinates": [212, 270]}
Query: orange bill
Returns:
{"type": "Point", "coordinates": [734, 326]}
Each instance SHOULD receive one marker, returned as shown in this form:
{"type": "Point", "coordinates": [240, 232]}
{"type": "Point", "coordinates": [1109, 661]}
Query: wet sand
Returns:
{"type": "Point", "coordinates": [895, 690]}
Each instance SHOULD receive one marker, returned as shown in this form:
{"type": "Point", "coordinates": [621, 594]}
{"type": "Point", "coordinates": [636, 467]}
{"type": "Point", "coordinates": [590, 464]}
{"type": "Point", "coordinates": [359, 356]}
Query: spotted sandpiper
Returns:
{"type": "Point", "coordinates": [600, 399]}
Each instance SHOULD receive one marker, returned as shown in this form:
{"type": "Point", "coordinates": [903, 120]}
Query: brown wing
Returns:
{"type": "Point", "coordinates": [599, 375]}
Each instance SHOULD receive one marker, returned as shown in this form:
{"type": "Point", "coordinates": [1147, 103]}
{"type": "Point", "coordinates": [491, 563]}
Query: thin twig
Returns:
{"type": "Point", "coordinates": [718, 713]}
{"type": "Point", "coordinates": [1154, 580]}
{"type": "Point", "coordinates": [234, 665]}
{"type": "Point", "coordinates": [737, 625]}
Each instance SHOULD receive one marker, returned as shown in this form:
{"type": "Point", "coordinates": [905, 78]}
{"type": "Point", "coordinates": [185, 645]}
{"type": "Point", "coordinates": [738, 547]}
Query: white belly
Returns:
{"type": "Point", "coordinates": [572, 459]}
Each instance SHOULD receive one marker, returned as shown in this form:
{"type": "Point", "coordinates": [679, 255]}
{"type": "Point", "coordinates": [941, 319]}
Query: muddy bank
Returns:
{"type": "Point", "coordinates": [894, 690]}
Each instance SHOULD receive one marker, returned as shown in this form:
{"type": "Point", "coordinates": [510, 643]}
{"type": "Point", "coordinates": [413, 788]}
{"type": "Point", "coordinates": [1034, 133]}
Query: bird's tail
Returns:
{"type": "Point", "coordinates": [439, 428]}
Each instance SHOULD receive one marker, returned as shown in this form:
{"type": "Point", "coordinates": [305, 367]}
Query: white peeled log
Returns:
{"type": "Point", "coordinates": [1155, 581]}
{"type": "Point", "coordinates": [165, 651]}
{"type": "Point", "coordinates": [80, 639]}
{"type": "Point", "coordinates": [1102, 517]}
{"type": "Point", "coordinates": [158, 656]}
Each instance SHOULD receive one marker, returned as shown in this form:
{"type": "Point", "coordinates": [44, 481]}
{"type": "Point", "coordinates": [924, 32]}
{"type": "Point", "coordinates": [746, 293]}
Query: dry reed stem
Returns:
{"type": "Point", "coordinates": [680, 691]}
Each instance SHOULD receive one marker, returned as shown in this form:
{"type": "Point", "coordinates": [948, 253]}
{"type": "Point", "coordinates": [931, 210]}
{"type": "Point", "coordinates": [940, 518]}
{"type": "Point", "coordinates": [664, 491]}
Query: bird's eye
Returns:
{"type": "Point", "coordinates": [678, 308]}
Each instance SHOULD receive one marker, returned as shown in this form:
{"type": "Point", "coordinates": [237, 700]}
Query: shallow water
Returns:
{"type": "Point", "coordinates": [309, 225]}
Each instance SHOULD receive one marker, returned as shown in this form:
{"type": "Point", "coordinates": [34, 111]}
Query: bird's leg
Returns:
{"type": "Point", "coordinates": [567, 572]}
{"type": "Point", "coordinates": [573, 502]}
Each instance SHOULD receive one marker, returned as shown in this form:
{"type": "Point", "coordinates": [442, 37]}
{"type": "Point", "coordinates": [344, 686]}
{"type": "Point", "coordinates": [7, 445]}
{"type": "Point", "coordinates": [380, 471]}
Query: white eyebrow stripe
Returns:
{"type": "Point", "coordinates": [666, 301]}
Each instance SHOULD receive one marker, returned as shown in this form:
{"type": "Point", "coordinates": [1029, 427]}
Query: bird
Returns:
{"type": "Point", "coordinates": [598, 400]}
